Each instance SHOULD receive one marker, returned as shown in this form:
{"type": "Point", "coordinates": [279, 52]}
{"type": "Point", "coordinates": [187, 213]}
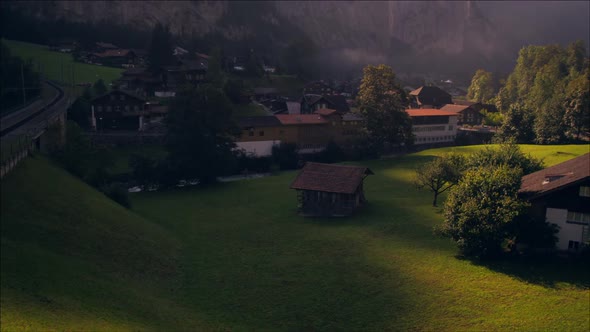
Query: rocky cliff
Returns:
{"type": "Point", "coordinates": [372, 27]}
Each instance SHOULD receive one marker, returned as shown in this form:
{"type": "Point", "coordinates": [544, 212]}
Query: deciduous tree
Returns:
{"type": "Point", "coordinates": [577, 104]}
{"type": "Point", "coordinates": [440, 175]}
{"type": "Point", "coordinates": [482, 87]}
{"type": "Point", "coordinates": [481, 210]}
{"type": "Point", "coordinates": [381, 102]}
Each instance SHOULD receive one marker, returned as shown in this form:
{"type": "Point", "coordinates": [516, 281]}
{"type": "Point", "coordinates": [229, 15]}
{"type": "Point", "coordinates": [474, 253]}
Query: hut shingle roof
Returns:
{"type": "Point", "coordinates": [330, 178]}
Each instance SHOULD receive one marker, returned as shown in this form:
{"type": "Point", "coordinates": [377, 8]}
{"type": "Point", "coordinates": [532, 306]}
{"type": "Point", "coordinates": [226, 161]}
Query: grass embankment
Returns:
{"type": "Point", "coordinates": [72, 260]}
{"type": "Point", "coordinates": [61, 66]}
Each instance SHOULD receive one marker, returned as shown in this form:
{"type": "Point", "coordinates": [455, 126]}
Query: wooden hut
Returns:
{"type": "Point", "coordinates": [330, 190]}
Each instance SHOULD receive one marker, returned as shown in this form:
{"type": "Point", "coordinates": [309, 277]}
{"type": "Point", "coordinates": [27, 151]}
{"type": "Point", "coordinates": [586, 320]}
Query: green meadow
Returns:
{"type": "Point", "coordinates": [61, 66]}
{"type": "Point", "coordinates": [236, 256]}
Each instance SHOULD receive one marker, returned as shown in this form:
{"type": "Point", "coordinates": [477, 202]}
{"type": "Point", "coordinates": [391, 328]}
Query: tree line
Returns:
{"type": "Point", "coordinates": [546, 98]}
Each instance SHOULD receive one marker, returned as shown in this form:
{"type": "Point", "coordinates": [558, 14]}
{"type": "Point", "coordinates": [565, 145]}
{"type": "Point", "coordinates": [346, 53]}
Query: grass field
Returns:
{"type": "Point", "coordinates": [51, 63]}
{"type": "Point", "coordinates": [237, 257]}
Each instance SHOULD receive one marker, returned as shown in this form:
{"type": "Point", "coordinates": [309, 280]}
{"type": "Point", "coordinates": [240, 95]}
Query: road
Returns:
{"type": "Point", "coordinates": [32, 120]}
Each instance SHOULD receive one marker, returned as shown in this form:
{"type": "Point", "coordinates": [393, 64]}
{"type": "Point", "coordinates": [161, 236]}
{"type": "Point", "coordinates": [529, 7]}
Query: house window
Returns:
{"type": "Point", "coordinates": [450, 128]}
{"type": "Point", "coordinates": [281, 132]}
{"type": "Point", "coordinates": [573, 245]}
{"type": "Point", "coordinates": [578, 217]}
{"type": "Point", "coordinates": [261, 133]}
{"type": "Point", "coordinates": [251, 132]}
{"type": "Point", "coordinates": [127, 108]}
{"type": "Point", "coordinates": [585, 191]}
{"type": "Point", "coordinates": [99, 108]}
{"type": "Point", "coordinates": [109, 109]}
{"type": "Point", "coordinates": [117, 108]}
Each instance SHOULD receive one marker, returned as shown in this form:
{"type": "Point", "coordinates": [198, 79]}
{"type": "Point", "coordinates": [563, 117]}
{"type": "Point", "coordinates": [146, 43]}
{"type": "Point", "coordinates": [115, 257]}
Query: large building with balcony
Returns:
{"type": "Point", "coordinates": [433, 126]}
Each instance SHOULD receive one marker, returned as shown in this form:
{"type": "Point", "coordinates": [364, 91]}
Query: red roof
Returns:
{"type": "Point", "coordinates": [330, 178]}
{"type": "Point", "coordinates": [326, 111]}
{"type": "Point", "coordinates": [295, 119]}
{"type": "Point", "coordinates": [555, 177]}
{"type": "Point", "coordinates": [428, 112]}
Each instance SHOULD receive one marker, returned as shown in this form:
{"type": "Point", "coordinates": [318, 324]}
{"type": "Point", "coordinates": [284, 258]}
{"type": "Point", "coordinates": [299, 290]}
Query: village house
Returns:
{"type": "Point", "coordinates": [187, 72]}
{"type": "Point", "coordinates": [560, 194]}
{"type": "Point", "coordinates": [326, 190]}
{"type": "Point", "coordinates": [310, 132]}
{"type": "Point", "coordinates": [259, 134]}
{"type": "Point", "coordinates": [433, 126]}
{"type": "Point", "coordinates": [312, 102]}
{"type": "Point", "coordinates": [466, 114]}
{"type": "Point", "coordinates": [429, 97]}
{"type": "Point", "coordinates": [317, 88]}
{"type": "Point", "coordinates": [140, 81]}
{"type": "Point", "coordinates": [120, 110]}
{"type": "Point", "coordinates": [114, 57]}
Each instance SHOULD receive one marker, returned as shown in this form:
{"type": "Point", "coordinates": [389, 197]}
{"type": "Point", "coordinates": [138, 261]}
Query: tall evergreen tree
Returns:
{"type": "Point", "coordinates": [160, 51]}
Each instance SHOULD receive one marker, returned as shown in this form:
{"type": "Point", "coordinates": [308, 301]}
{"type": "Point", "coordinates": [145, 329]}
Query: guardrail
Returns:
{"type": "Point", "coordinates": [15, 148]}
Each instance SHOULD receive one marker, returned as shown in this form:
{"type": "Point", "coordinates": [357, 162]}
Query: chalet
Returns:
{"type": "Point", "coordinates": [317, 88]}
{"type": "Point", "coordinates": [429, 97]}
{"type": "Point", "coordinates": [466, 114]}
{"type": "Point", "coordinates": [140, 81]}
{"type": "Point", "coordinates": [560, 194]}
{"type": "Point", "coordinates": [101, 47]}
{"type": "Point", "coordinates": [120, 110]}
{"type": "Point", "coordinates": [325, 190]}
{"type": "Point", "coordinates": [477, 105]}
{"type": "Point", "coordinates": [114, 58]}
{"type": "Point", "coordinates": [187, 72]}
{"type": "Point", "coordinates": [433, 126]}
{"type": "Point", "coordinates": [311, 103]}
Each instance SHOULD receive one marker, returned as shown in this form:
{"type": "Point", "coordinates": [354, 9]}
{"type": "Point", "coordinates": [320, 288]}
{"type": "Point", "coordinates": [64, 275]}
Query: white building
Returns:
{"type": "Point", "coordinates": [433, 126]}
{"type": "Point", "coordinates": [560, 194]}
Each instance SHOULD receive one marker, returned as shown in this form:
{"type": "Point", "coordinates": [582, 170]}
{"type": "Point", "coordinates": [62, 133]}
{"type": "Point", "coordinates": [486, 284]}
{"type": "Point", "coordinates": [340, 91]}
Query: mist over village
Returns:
{"type": "Point", "coordinates": [295, 166]}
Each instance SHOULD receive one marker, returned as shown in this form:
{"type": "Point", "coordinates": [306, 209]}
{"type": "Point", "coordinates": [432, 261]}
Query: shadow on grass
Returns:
{"type": "Point", "coordinates": [548, 271]}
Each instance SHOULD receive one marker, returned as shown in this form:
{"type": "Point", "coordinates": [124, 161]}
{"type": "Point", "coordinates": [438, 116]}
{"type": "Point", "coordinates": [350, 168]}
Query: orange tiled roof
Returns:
{"type": "Point", "coordinates": [415, 112]}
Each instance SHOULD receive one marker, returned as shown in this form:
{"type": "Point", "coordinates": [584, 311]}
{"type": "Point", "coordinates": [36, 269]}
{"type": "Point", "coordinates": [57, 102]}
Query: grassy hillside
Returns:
{"type": "Point", "coordinates": [72, 259]}
{"type": "Point", "coordinates": [51, 63]}
{"type": "Point", "coordinates": [237, 257]}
